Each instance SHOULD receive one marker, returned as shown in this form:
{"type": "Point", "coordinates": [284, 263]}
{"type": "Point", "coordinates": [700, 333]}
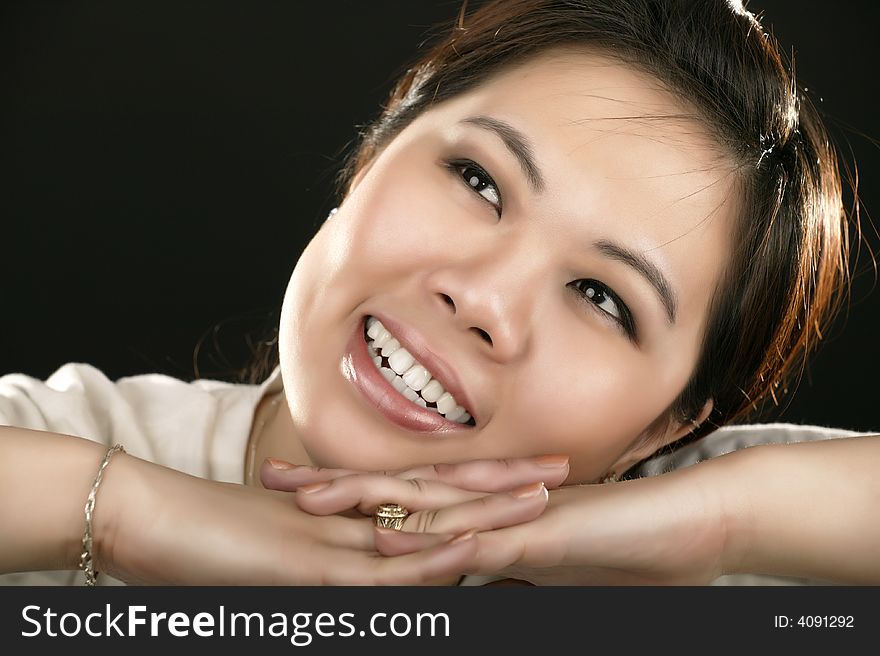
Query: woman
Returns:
{"type": "Point", "coordinates": [579, 235]}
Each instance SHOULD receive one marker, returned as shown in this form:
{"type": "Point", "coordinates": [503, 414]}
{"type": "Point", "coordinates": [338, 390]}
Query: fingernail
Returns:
{"type": "Point", "coordinates": [280, 464]}
{"type": "Point", "coordinates": [551, 461]}
{"type": "Point", "coordinates": [464, 537]}
{"type": "Point", "coordinates": [313, 487]}
{"type": "Point", "coordinates": [528, 491]}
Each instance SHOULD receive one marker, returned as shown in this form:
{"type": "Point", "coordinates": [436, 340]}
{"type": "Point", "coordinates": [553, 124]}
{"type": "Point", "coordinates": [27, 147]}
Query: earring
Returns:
{"type": "Point", "coordinates": [332, 212]}
{"type": "Point", "coordinates": [610, 477]}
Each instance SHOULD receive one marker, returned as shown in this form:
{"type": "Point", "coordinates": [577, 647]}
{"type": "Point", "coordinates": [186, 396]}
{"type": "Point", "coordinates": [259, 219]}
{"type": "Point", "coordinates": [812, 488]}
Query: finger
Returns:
{"type": "Point", "coordinates": [365, 492]}
{"type": "Point", "coordinates": [495, 475]}
{"type": "Point", "coordinates": [287, 477]}
{"type": "Point", "coordinates": [476, 475]}
{"type": "Point", "coordinates": [501, 550]}
{"type": "Point", "coordinates": [484, 513]}
{"type": "Point", "coordinates": [389, 542]}
{"type": "Point", "coordinates": [441, 561]}
{"type": "Point", "coordinates": [346, 532]}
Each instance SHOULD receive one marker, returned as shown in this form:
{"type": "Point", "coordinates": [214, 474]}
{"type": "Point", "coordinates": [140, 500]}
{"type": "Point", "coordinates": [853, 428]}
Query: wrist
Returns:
{"type": "Point", "coordinates": [122, 498]}
{"type": "Point", "coordinates": [702, 494]}
{"type": "Point", "coordinates": [737, 478]}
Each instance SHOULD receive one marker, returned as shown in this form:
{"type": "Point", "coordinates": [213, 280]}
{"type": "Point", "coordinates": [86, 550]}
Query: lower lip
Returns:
{"type": "Point", "coordinates": [358, 367]}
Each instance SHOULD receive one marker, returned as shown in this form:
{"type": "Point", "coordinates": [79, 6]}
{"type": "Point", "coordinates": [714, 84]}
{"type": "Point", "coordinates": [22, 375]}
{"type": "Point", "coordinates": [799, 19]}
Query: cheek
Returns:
{"type": "Point", "coordinates": [591, 404]}
{"type": "Point", "coordinates": [393, 214]}
{"type": "Point", "coordinates": [408, 213]}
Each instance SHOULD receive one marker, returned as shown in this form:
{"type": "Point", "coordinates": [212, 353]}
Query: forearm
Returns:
{"type": "Point", "coordinates": [45, 479]}
{"type": "Point", "coordinates": [809, 510]}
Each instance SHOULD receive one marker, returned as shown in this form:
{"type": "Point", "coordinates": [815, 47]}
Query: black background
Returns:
{"type": "Point", "coordinates": [163, 163]}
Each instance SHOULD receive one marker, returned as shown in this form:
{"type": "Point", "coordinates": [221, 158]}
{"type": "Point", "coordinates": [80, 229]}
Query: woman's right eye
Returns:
{"type": "Point", "coordinates": [480, 182]}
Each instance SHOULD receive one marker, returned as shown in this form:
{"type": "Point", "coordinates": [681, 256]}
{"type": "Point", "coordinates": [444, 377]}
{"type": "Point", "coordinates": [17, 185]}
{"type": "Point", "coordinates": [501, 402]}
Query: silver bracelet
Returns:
{"type": "Point", "coordinates": [85, 559]}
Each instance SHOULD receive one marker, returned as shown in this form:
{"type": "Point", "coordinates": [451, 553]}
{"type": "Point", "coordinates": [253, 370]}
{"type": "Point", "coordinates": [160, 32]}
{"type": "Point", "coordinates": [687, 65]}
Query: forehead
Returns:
{"type": "Point", "coordinates": [590, 111]}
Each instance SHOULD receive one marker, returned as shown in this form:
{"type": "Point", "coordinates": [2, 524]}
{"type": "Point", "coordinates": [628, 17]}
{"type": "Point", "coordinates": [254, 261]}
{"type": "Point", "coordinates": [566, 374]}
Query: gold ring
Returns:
{"type": "Point", "coordinates": [390, 515]}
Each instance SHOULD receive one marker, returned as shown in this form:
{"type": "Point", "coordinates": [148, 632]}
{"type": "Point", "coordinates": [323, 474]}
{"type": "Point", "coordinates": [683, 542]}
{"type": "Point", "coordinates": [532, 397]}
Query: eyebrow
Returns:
{"type": "Point", "coordinates": [647, 269]}
{"type": "Point", "coordinates": [517, 143]}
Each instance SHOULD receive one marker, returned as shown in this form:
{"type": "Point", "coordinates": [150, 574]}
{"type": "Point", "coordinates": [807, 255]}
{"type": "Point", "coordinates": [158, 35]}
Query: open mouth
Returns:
{"type": "Point", "coordinates": [409, 377]}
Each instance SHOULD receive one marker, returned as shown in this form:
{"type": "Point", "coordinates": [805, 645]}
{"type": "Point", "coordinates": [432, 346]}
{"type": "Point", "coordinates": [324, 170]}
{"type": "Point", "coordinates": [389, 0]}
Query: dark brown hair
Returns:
{"type": "Point", "coordinates": [787, 272]}
{"type": "Point", "coordinates": [786, 276]}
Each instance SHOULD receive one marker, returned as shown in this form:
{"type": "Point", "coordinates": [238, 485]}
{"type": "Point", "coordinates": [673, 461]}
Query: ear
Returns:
{"type": "Point", "coordinates": [658, 436]}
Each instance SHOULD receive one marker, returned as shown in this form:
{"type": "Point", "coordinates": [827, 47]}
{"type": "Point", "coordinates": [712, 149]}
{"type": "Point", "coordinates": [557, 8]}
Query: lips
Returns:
{"type": "Point", "coordinates": [358, 368]}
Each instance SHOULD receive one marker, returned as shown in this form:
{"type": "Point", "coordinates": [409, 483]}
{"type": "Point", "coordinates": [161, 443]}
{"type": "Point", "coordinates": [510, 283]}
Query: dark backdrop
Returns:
{"type": "Point", "coordinates": [163, 163]}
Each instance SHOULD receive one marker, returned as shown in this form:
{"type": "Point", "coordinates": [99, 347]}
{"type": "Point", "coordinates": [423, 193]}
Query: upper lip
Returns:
{"type": "Point", "coordinates": [417, 345]}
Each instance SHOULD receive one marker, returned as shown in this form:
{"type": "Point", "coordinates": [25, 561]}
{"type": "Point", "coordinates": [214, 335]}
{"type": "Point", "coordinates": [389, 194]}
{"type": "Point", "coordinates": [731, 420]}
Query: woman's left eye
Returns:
{"type": "Point", "coordinates": [476, 178]}
{"type": "Point", "coordinates": [600, 295]}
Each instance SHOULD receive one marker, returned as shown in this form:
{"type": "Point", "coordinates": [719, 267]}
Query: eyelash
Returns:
{"type": "Point", "coordinates": [624, 322]}
{"type": "Point", "coordinates": [461, 165]}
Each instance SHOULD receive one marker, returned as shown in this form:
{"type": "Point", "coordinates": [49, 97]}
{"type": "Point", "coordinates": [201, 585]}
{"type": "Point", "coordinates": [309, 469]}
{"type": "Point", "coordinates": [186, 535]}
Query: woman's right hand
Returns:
{"type": "Point", "coordinates": [155, 525]}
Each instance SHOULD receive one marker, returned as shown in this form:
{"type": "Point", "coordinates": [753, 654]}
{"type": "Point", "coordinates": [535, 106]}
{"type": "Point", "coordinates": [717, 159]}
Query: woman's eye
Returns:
{"type": "Point", "coordinates": [607, 301]}
{"type": "Point", "coordinates": [479, 181]}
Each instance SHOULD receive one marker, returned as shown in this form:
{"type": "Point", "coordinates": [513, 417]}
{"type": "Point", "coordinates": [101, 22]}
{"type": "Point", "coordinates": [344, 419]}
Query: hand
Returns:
{"type": "Point", "coordinates": [154, 525]}
{"type": "Point", "coordinates": [475, 475]}
{"type": "Point", "coordinates": [444, 500]}
{"type": "Point", "coordinates": [661, 530]}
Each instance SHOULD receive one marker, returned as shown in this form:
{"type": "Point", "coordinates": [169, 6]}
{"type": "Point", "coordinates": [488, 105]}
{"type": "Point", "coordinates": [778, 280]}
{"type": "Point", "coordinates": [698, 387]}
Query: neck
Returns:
{"type": "Point", "coordinates": [278, 438]}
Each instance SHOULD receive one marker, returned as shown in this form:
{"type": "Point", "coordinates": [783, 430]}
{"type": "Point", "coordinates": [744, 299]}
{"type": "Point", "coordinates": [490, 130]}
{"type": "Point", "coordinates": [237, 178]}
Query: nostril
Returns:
{"type": "Point", "coordinates": [482, 333]}
{"type": "Point", "coordinates": [448, 300]}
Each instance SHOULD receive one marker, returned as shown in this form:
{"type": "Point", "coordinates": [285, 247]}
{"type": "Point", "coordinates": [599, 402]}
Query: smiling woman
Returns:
{"type": "Point", "coordinates": [516, 276]}
{"type": "Point", "coordinates": [577, 234]}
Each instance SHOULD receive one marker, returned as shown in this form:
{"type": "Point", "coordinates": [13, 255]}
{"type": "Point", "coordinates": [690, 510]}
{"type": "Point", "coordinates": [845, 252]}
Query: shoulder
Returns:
{"type": "Point", "coordinates": [199, 426]}
{"type": "Point", "coordinates": [733, 438]}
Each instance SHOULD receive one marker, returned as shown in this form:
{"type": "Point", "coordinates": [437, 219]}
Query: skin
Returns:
{"type": "Point", "coordinates": [560, 376]}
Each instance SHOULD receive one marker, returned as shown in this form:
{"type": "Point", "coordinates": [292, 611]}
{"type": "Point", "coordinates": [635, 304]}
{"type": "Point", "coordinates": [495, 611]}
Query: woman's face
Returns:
{"type": "Point", "coordinates": [545, 247]}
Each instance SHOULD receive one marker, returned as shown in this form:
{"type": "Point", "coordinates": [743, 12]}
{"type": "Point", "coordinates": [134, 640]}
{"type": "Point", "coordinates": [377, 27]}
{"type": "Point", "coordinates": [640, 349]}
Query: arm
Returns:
{"type": "Point", "coordinates": [44, 481]}
{"type": "Point", "coordinates": [156, 525]}
{"type": "Point", "coordinates": [810, 509]}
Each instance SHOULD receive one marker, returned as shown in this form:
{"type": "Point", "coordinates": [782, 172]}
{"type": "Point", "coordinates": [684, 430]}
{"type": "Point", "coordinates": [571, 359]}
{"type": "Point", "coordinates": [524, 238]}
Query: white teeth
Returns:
{"type": "Point", "coordinates": [446, 403]}
{"type": "Point", "coordinates": [382, 338]}
{"type": "Point", "coordinates": [416, 377]}
{"type": "Point", "coordinates": [400, 360]}
{"type": "Point", "coordinates": [409, 377]}
{"type": "Point", "coordinates": [432, 391]}
{"type": "Point", "coordinates": [390, 347]}
{"type": "Point", "coordinates": [455, 413]}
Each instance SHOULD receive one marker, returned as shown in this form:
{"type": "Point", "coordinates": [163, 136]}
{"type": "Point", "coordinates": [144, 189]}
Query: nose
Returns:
{"type": "Point", "coordinates": [491, 296]}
